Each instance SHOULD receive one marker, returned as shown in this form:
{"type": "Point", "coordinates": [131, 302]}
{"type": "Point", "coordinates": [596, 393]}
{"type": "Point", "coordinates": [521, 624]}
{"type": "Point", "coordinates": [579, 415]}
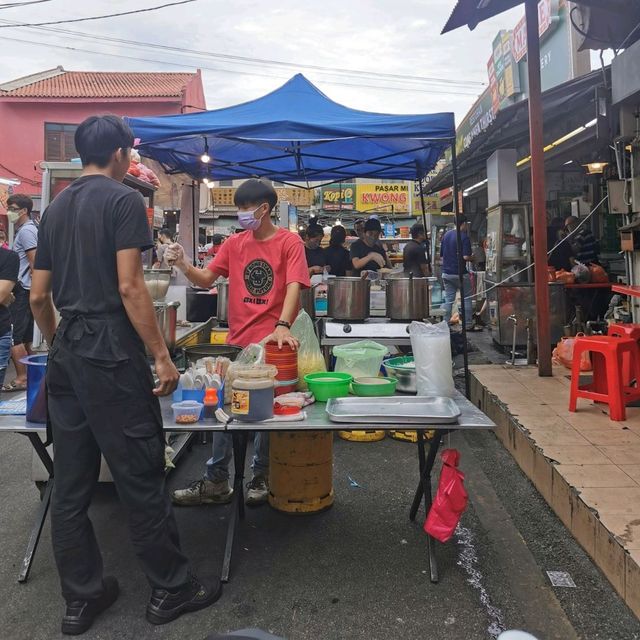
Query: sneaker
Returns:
{"type": "Point", "coordinates": [165, 606]}
{"type": "Point", "coordinates": [80, 614]}
{"type": "Point", "coordinates": [257, 491]}
{"type": "Point", "coordinates": [203, 492]}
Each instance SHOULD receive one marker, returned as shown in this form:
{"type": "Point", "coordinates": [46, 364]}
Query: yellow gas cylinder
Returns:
{"type": "Point", "coordinates": [362, 435]}
{"type": "Point", "coordinates": [410, 436]}
{"type": "Point", "coordinates": [301, 471]}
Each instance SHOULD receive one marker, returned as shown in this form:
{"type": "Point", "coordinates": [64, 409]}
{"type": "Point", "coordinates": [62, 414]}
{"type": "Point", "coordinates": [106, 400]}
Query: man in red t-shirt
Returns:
{"type": "Point", "coordinates": [267, 268]}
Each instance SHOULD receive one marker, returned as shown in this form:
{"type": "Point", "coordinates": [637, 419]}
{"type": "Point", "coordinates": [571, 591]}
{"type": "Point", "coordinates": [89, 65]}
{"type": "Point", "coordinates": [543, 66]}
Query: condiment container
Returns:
{"type": "Point", "coordinates": [210, 404]}
{"type": "Point", "coordinates": [186, 412]}
{"type": "Point", "coordinates": [252, 393]}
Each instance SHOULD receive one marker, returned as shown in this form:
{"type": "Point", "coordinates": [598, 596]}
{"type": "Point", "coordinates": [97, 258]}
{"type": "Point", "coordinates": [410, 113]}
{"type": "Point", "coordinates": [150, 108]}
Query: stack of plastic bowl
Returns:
{"type": "Point", "coordinates": [286, 361]}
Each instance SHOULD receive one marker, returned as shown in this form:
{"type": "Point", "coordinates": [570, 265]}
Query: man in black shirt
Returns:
{"type": "Point", "coordinates": [9, 269]}
{"type": "Point", "coordinates": [414, 257]}
{"type": "Point", "coordinates": [367, 254]}
{"type": "Point", "coordinates": [101, 393]}
{"type": "Point", "coordinates": [316, 260]}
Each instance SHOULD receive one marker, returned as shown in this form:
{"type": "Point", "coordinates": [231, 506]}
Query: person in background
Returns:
{"type": "Point", "coordinates": [358, 227]}
{"type": "Point", "coordinates": [451, 272]}
{"type": "Point", "coordinates": [165, 238]}
{"type": "Point", "coordinates": [25, 242]}
{"type": "Point", "coordinates": [216, 244]}
{"type": "Point", "coordinates": [414, 257]}
{"type": "Point", "coordinates": [336, 256]}
{"type": "Point", "coordinates": [3, 239]}
{"type": "Point", "coordinates": [583, 242]}
{"type": "Point", "coordinates": [316, 260]}
{"type": "Point", "coordinates": [266, 268]}
{"type": "Point", "coordinates": [367, 254]}
{"type": "Point", "coordinates": [102, 399]}
{"type": "Point", "coordinates": [303, 234]}
{"type": "Point", "coordinates": [9, 268]}
{"type": "Point", "coordinates": [560, 253]}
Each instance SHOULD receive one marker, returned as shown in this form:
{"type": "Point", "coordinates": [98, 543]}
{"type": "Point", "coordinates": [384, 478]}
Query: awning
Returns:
{"type": "Point", "coordinates": [295, 134]}
{"type": "Point", "coordinates": [571, 103]}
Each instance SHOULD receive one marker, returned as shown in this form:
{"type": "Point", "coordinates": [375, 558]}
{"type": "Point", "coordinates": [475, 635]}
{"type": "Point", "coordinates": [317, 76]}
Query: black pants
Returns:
{"type": "Point", "coordinates": [98, 407]}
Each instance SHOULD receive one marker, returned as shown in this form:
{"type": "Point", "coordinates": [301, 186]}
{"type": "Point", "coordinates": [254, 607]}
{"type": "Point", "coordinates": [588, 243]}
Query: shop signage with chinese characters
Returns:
{"type": "Point", "coordinates": [386, 197]}
{"type": "Point", "coordinates": [338, 196]}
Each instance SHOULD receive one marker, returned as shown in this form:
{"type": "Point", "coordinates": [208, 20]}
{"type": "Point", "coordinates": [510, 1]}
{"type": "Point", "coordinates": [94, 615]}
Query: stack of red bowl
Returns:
{"type": "Point", "coordinates": [286, 361]}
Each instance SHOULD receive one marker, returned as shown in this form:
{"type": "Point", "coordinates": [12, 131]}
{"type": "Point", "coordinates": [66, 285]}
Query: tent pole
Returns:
{"type": "Point", "coordinates": [538, 193]}
{"type": "Point", "coordinates": [196, 223]}
{"type": "Point", "coordinates": [424, 224]}
{"type": "Point", "coordinates": [461, 267]}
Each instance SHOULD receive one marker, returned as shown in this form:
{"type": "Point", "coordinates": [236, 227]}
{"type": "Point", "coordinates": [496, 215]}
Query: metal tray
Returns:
{"type": "Point", "coordinates": [410, 410]}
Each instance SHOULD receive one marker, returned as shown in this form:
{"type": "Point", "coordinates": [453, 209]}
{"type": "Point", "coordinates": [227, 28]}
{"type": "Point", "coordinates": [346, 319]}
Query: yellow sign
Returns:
{"type": "Point", "coordinates": [386, 198]}
{"type": "Point", "coordinates": [431, 203]}
{"type": "Point", "coordinates": [223, 196]}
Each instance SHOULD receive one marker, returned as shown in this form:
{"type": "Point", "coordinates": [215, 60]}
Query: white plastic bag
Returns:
{"type": "Point", "coordinates": [431, 346]}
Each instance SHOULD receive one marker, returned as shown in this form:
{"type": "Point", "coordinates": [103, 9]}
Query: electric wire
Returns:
{"type": "Point", "coordinates": [110, 15]}
{"type": "Point", "coordinates": [11, 5]}
{"type": "Point", "coordinates": [517, 273]}
{"type": "Point", "coordinates": [237, 72]}
{"type": "Point", "coordinates": [262, 61]}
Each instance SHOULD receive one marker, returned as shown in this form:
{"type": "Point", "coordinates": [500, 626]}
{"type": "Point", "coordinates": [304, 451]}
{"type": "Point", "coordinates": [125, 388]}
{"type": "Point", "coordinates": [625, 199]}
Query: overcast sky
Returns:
{"type": "Point", "coordinates": [385, 36]}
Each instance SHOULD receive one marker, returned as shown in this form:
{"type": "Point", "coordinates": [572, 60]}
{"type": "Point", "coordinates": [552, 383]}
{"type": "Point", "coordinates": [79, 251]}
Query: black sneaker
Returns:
{"type": "Point", "coordinates": [80, 614]}
{"type": "Point", "coordinates": [257, 491]}
{"type": "Point", "coordinates": [165, 606]}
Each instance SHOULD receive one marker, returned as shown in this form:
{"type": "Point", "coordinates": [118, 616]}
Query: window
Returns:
{"type": "Point", "coordinates": [58, 142]}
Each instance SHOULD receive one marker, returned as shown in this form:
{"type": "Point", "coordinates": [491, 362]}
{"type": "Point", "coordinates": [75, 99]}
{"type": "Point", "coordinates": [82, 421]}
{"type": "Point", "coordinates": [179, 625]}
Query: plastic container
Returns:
{"type": "Point", "coordinates": [329, 385]}
{"type": "Point", "coordinates": [195, 395]}
{"type": "Point", "coordinates": [186, 412]}
{"type": "Point", "coordinates": [374, 387]}
{"type": "Point", "coordinates": [403, 369]}
{"type": "Point", "coordinates": [36, 392]}
{"type": "Point", "coordinates": [210, 404]}
{"type": "Point", "coordinates": [361, 359]}
{"type": "Point", "coordinates": [252, 393]}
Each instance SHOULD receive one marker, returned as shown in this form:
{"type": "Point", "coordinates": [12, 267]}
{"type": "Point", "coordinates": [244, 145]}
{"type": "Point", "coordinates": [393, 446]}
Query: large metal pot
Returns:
{"type": "Point", "coordinates": [348, 298]}
{"type": "Point", "coordinates": [223, 302]}
{"type": "Point", "coordinates": [407, 298]}
{"type": "Point", "coordinates": [205, 350]}
{"type": "Point", "coordinates": [167, 318]}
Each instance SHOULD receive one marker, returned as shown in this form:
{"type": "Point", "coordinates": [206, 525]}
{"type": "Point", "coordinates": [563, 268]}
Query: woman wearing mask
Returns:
{"type": "Point", "coordinates": [336, 256]}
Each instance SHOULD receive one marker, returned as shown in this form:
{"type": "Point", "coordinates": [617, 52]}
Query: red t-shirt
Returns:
{"type": "Point", "coordinates": [259, 272]}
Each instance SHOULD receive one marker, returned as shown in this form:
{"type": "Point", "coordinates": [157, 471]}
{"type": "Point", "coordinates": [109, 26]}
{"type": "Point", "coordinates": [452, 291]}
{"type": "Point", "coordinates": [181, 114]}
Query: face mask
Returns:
{"type": "Point", "coordinates": [248, 221]}
{"type": "Point", "coordinates": [13, 215]}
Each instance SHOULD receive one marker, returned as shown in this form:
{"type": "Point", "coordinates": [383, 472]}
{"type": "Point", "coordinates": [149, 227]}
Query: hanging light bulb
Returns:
{"type": "Point", "coordinates": [205, 157]}
{"type": "Point", "coordinates": [205, 181]}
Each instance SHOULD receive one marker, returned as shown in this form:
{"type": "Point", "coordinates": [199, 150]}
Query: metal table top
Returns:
{"type": "Point", "coordinates": [471, 418]}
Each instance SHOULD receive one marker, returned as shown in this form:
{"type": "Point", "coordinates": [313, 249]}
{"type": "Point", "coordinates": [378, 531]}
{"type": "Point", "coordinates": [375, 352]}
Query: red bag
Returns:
{"type": "Point", "coordinates": [450, 501]}
{"type": "Point", "coordinates": [563, 354]}
{"type": "Point", "coordinates": [598, 274]}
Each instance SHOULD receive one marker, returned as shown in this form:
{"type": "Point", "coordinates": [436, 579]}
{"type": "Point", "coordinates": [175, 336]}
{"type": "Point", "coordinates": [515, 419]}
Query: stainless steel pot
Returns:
{"type": "Point", "coordinates": [167, 318]}
{"type": "Point", "coordinates": [222, 313]}
{"type": "Point", "coordinates": [307, 301]}
{"type": "Point", "coordinates": [348, 298]}
{"type": "Point", "coordinates": [407, 298]}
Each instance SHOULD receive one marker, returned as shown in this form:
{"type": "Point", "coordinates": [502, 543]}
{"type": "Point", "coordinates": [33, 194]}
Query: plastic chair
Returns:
{"type": "Point", "coordinates": [607, 356]}
{"type": "Point", "coordinates": [631, 331]}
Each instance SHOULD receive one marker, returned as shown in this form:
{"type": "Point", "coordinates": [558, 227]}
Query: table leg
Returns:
{"type": "Point", "coordinates": [427, 462]}
{"type": "Point", "coordinates": [43, 509]}
{"type": "Point", "coordinates": [237, 503]}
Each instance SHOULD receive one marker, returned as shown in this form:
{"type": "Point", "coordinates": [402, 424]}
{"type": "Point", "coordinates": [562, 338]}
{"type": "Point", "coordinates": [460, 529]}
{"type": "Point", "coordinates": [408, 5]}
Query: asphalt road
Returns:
{"type": "Point", "coordinates": [358, 570]}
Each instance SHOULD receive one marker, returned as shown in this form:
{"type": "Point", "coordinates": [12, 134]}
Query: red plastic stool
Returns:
{"type": "Point", "coordinates": [625, 331]}
{"type": "Point", "coordinates": [607, 355]}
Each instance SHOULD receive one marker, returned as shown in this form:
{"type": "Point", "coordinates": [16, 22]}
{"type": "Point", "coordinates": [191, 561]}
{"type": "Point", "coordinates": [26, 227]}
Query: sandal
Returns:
{"type": "Point", "coordinates": [15, 386]}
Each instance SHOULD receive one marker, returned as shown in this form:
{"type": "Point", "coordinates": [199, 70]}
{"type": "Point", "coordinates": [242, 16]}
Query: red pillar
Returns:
{"type": "Point", "coordinates": [538, 193]}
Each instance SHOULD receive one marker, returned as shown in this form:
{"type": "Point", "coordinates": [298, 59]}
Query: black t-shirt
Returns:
{"type": "Point", "coordinates": [9, 267]}
{"type": "Point", "coordinates": [339, 260]}
{"type": "Point", "coordinates": [80, 233]}
{"type": "Point", "coordinates": [315, 257]}
{"type": "Point", "coordinates": [413, 257]}
{"type": "Point", "coordinates": [360, 249]}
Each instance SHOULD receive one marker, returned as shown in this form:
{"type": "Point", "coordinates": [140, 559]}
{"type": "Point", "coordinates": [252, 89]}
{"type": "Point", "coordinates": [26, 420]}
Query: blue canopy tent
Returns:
{"type": "Point", "coordinates": [297, 134]}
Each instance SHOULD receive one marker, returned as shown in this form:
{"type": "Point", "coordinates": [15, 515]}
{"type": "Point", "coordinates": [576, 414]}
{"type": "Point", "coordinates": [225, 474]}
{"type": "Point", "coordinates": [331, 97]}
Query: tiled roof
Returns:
{"type": "Point", "coordinates": [97, 84]}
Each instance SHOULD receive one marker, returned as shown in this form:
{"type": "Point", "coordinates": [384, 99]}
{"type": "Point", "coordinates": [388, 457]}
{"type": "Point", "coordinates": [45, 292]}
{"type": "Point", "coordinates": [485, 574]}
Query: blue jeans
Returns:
{"type": "Point", "coordinates": [6, 342]}
{"type": "Point", "coordinates": [451, 284]}
{"type": "Point", "coordinates": [218, 465]}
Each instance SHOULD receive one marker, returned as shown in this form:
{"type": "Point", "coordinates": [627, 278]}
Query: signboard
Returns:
{"type": "Point", "coordinates": [338, 196]}
{"type": "Point", "coordinates": [431, 204]}
{"type": "Point", "coordinates": [476, 121]}
{"type": "Point", "coordinates": [503, 73]}
{"type": "Point", "coordinates": [389, 198]}
{"type": "Point", "coordinates": [548, 15]}
{"type": "Point", "coordinates": [296, 196]}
